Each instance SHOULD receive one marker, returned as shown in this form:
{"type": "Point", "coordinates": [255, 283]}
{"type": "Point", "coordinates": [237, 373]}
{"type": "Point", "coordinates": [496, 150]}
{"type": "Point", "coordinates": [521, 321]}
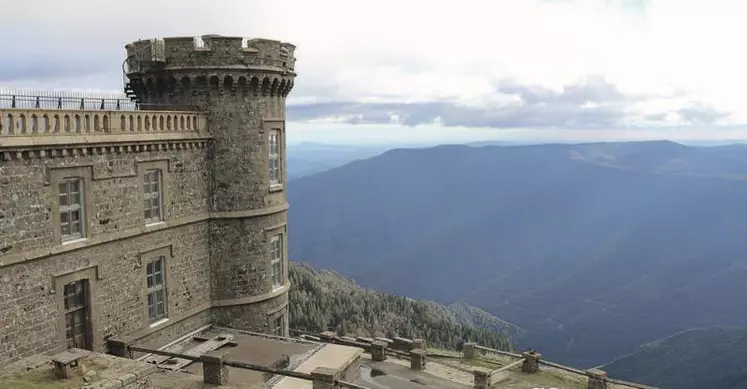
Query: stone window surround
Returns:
{"type": "Point", "coordinates": [269, 126]}
{"type": "Point", "coordinates": [142, 168]}
{"type": "Point", "coordinates": [148, 256]}
{"type": "Point", "coordinates": [281, 230]}
{"type": "Point", "coordinates": [58, 287]}
{"type": "Point", "coordinates": [153, 176]}
{"type": "Point", "coordinates": [56, 175]}
{"type": "Point", "coordinates": [277, 155]}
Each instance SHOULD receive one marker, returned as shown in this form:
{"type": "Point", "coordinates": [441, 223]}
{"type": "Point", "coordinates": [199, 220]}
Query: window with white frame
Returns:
{"type": "Point", "coordinates": [72, 225]}
{"type": "Point", "coordinates": [276, 260]}
{"type": "Point", "coordinates": [277, 326]}
{"type": "Point", "coordinates": [275, 157]}
{"type": "Point", "coordinates": [156, 281]}
{"type": "Point", "coordinates": [152, 196]}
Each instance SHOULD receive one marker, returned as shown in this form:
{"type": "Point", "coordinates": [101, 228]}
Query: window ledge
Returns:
{"type": "Point", "coordinates": [158, 323]}
{"type": "Point", "coordinates": [76, 240]}
{"type": "Point", "coordinates": [276, 187]}
{"type": "Point", "coordinates": [275, 288]}
{"type": "Point", "coordinates": [155, 224]}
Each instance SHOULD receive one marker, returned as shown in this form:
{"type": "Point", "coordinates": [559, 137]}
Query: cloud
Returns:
{"type": "Point", "coordinates": [589, 103]}
{"type": "Point", "coordinates": [559, 64]}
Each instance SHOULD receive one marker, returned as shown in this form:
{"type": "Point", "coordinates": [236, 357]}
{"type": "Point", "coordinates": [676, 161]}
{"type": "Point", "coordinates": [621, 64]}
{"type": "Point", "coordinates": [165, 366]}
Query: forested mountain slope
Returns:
{"type": "Point", "coordinates": [322, 300]}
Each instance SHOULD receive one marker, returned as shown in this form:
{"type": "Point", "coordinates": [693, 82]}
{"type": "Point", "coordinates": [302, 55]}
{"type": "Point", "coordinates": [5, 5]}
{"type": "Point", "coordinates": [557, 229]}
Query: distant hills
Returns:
{"type": "Point", "coordinates": [592, 249]}
{"type": "Point", "coordinates": [308, 158]}
{"type": "Point", "coordinates": [694, 359]}
{"type": "Point", "coordinates": [322, 300]}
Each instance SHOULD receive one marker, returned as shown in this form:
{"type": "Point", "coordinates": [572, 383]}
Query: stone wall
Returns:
{"type": "Point", "coordinates": [34, 265]}
{"type": "Point", "coordinates": [29, 198]}
{"type": "Point", "coordinates": [252, 317]}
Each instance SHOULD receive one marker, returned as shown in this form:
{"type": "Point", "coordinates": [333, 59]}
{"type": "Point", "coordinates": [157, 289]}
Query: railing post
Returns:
{"type": "Point", "coordinates": [213, 370]}
{"type": "Point", "coordinates": [531, 361]}
{"type": "Point", "coordinates": [378, 350]}
{"type": "Point", "coordinates": [417, 359]}
{"type": "Point", "coordinates": [482, 378]}
{"type": "Point", "coordinates": [324, 378]}
{"type": "Point", "coordinates": [119, 348]}
{"type": "Point", "coordinates": [597, 379]}
{"type": "Point", "coordinates": [419, 343]}
{"type": "Point", "coordinates": [469, 351]}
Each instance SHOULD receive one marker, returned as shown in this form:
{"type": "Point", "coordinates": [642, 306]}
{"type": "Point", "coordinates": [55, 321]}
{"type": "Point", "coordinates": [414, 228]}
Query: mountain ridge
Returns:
{"type": "Point", "coordinates": [566, 249]}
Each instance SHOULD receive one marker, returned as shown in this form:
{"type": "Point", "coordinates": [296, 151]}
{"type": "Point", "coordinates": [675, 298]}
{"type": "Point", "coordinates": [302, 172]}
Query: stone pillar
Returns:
{"type": "Point", "coordinates": [417, 359]}
{"type": "Point", "coordinates": [419, 343]}
{"type": "Point", "coordinates": [531, 361]}
{"type": "Point", "coordinates": [597, 379]}
{"type": "Point", "coordinates": [119, 348]}
{"type": "Point", "coordinates": [469, 351]}
{"type": "Point", "coordinates": [482, 378]}
{"type": "Point", "coordinates": [378, 350]}
{"type": "Point", "coordinates": [213, 370]}
{"type": "Point", "coordinates": [324, 378]}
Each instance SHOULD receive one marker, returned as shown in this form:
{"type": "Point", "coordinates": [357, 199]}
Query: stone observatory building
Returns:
{"type": "Point", "coordinates": [153, 215]}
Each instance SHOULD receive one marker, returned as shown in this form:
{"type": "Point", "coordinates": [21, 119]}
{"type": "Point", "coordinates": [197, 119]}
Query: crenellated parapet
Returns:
{"type": "Point", "coordinates": [211, 64]}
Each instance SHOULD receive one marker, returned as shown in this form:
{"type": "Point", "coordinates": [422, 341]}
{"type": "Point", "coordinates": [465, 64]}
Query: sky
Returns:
{"type": "Point", "coordinates": [388, 71]}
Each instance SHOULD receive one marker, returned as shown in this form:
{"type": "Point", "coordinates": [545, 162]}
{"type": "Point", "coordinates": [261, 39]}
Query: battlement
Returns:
{"type": "Point", "coordinates": [210, 51]}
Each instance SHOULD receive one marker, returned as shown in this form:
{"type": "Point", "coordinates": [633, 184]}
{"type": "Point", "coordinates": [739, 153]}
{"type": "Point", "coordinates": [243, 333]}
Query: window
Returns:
{"type": "Point", "coordinates": [276, 260]}
{"type": "Point", "coordinates": [71, 208]}
{"type": "Point", "coordinates": [156, 289]}
{"type": "Point", "coordinates": [275, 174]}
{"type": "Point", "coordinates": [77, 330]}
{"type": "Point", "coordinates": [277, 326]}
{"type": "Point", "coordinates": [152, 195]}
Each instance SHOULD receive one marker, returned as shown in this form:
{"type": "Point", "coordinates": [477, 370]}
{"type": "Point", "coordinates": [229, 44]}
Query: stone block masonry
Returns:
{"type": "Point", "coordinates": [220, 233]}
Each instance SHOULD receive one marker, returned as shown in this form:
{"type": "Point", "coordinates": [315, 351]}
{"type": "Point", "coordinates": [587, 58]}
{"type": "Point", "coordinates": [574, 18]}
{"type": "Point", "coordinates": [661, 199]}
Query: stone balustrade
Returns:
{"type": "Point", "coordinates": [16, 122]}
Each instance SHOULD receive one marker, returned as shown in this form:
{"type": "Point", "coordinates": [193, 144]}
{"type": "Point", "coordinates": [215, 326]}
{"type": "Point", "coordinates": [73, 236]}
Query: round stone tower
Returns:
{"type": "Point", "coordinates": [242, 84]}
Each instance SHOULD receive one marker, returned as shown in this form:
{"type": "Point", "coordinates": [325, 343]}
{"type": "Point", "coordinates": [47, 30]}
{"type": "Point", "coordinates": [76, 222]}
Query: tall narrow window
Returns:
{"type": "Point", "coordinates": [156, 289]}
{"type": "Point", "coordinates": [277, 326]}
{"type": "Point", "coordinates": [71, 208]}
{"type": "Point", "coordinates": [152, 196]}
{"type": "Point", "coordinates": [275, 156]}
{"type": "Point", "coordinates": [276, 260]}
{"type": "Point", "coordinates": [77, 330]}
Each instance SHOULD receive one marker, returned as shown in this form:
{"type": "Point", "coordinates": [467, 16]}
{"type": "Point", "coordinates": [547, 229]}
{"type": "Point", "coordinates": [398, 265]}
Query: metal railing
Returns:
{"type": "Point", "coordinates": [51, 99]}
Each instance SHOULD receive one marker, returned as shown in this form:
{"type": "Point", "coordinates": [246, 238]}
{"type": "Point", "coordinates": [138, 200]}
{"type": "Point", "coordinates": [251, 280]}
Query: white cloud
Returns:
{"type": "Point", "coordinates": [417, 51]}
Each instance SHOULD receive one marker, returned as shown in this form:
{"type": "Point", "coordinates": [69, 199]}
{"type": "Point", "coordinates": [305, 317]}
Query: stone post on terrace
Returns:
{"type": "Point", "coordinates": [482, 378]}
{"type": "Point", "coordinates": [469, 351]}
{"type": "Point", "coordinates": [417, 359]}
{"type": "Point", "coordinates": [597, 379]}
{"type": "Point", "coordinates": [531, 361]}
{"type": "Point", "coordinates": [213, 370]}
{"type": "Point", "coordinates": [419, 343]}
{"type": "Point", "coordinates": [378, 350]}
{"type": "Point", "coordinates": [324, 378]}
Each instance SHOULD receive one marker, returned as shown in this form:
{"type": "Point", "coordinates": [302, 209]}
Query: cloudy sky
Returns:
{"type": "Point", "coordinates": [433, 70]}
